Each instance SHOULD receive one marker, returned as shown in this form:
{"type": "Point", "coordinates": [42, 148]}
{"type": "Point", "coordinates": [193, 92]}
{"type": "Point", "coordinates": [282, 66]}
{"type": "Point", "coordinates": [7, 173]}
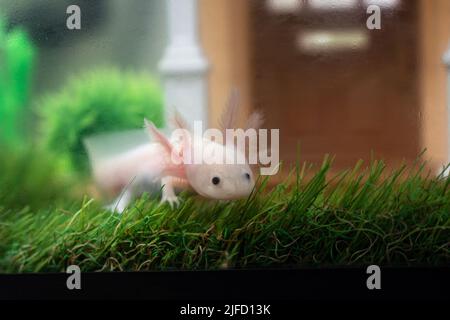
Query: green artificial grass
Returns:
{"type": "Point", "coordinates": [367, 215]}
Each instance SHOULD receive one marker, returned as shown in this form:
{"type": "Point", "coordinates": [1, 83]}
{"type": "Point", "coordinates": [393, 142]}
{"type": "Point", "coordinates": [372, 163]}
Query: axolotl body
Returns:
{"type": "Point", "coordinates": [161, 165]}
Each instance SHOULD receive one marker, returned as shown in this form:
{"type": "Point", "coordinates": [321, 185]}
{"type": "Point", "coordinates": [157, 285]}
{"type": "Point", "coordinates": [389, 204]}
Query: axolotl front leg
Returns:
{"type": "Point", "coordinates": [168, 191]}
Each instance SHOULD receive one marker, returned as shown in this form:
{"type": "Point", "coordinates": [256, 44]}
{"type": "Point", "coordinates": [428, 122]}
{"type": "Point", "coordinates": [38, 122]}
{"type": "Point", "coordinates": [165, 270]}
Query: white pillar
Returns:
{"type": "Point", "coordinates": [183, 66]}
{"type": "Point", "coordinates": [446, 59]}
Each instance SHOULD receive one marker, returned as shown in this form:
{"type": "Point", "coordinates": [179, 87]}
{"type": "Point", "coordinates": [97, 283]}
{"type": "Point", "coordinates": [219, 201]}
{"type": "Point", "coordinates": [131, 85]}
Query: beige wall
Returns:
{"type": "Point", "coordinates": [225, 39]}
{"type": "Point", "coordinates": [434, 39]}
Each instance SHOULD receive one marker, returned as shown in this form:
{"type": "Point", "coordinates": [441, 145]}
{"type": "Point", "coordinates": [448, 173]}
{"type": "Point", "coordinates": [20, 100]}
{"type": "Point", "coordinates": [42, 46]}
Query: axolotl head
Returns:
{"type": "Point", "coordinates": [221, 176]}
{"type": "Point", "coordinates": [223, 173]}
{"type": "Point", "coordinates": [213, 170]}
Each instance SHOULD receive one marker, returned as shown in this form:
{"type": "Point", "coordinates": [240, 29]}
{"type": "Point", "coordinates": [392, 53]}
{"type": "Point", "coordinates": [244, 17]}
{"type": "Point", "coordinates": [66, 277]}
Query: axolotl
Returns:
{"type": "Point", "coordinates": [161, 165]}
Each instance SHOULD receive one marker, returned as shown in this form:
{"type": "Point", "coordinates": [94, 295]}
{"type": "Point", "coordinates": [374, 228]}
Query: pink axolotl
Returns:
{"type": "Point", "coordinates": [161, 163]}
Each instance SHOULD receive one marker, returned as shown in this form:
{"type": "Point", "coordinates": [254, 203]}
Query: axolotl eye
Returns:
{"type": "Point", "coordinates": [247, 176]}
{"type": "Point", "coordinates": [215, 180]}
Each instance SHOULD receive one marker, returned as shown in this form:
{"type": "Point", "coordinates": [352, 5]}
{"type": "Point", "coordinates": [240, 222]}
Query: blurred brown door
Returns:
{"type": "Point", "coordinates": [347, 103]}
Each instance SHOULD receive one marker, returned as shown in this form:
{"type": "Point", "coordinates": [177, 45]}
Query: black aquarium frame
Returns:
{"type": "Point", "coordinates": [331, 284]}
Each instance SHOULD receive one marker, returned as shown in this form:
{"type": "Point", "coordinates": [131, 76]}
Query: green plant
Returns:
{"type": "Point", "coordinates": [16, 64]}
{"type": "Point", "coordinates": [31, 178]}
{"type": "Point", "coordinates": [98, 101]}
